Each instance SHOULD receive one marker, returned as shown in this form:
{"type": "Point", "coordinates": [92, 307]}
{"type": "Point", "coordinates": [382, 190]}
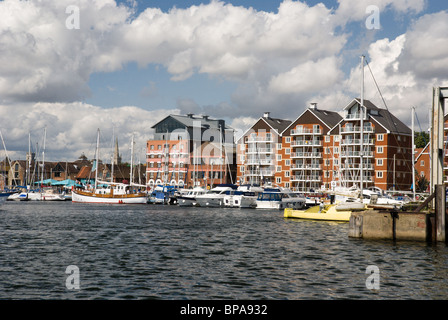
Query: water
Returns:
{"type": "Point", "coordinates": [168, 252]}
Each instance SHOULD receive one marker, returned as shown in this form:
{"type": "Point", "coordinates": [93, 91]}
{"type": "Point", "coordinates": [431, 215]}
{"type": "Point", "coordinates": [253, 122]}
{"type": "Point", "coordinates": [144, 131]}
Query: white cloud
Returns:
{"type": "Point", "coordinates": [308, 77]}
{"type": "Point", "coordinates": [72, 127]}
{"type": "Point", "coordinates": [355, 10]}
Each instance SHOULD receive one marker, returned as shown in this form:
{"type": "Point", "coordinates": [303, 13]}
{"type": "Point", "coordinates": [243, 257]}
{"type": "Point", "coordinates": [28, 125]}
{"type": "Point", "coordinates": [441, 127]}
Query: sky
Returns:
{"type": "Point", "coordinates": [73, 66]}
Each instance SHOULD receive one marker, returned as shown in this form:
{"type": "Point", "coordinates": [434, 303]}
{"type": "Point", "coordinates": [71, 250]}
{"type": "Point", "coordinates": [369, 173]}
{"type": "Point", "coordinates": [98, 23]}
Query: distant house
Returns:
{"type": "Point", "coordinates": [422, 162]}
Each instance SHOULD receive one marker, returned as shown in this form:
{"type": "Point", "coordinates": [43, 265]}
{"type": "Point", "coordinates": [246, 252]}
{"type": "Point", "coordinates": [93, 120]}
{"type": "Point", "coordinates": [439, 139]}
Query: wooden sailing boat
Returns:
{"type": "Point", "coordinates": [112, 193]}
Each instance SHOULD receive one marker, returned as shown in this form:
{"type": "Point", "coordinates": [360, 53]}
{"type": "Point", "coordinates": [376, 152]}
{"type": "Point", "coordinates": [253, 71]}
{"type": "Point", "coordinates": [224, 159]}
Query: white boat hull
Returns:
{"type": "Point", "coordinates": [280, 205]}
{"type": "Point", "coordinates": [214, 202]}
{"type": "Point", "coordinates": [186, 201]}
{"type": "Point", "coordinates": [240, 201]}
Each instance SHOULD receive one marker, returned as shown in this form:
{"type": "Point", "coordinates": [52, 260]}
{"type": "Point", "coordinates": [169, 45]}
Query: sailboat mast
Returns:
{"type": "Point", "coordinates": [28, 168]}
{"type": "Point", "coordinates": [361, 113]}
{"type": "Point", "coordinates": [132, 160]}
{"type": "Point", "coordinates": [413, 153]}
{"type": "Point", "coordinates": [43, 156]}
{"type": "Point", "coordinates": [97, 157]}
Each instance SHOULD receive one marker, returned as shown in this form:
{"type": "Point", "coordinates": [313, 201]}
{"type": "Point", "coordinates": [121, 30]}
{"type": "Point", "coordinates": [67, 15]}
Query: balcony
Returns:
{"type": "Point", "coordinates": [357, 141]}
{"type": "Point", "coordinates": [260, 139]}
{"type": "Point", "coordinates": [258, 173]}
{"type": "Point", "coordinates": [356, 154]}
{"type": "Point", "coordinates": [306, 143]}
{"type": "Point", "coordinates": [306, 154]}
{"type": "Point", "coordinates": [356, 166]}
{"type": "Point", "coordinates": [306, 178]}
{"type": "Point", "coordinates": [261, 162]}
{"type": "Point", "coordinates": [260, 150]}
{"type": "Point", "coordinates": [296, 132]}
{"type": "Point", "coordinates": [305, 166]}
{"type": "Point", "coordinates": [357, 129]}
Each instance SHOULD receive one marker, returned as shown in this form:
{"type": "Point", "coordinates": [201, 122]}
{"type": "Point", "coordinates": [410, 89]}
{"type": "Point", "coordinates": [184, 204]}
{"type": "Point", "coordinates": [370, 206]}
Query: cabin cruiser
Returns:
{"type": "Point", "coordinates": [215, 196]}
{"type": "Point", "coordinates": [244, 197]}
{"type": "Point", "coordinates": [280, 198]}
{"type": "Point", "coordinates": [187, 198]}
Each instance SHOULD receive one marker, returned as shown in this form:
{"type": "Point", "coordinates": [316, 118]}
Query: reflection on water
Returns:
{"type": "Point", "coordinates": [166, 252]}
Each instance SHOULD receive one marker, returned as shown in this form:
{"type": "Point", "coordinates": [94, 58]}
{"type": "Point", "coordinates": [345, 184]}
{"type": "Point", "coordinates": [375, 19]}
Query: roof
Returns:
{"type": "Point", "coordinates": [383, 117]}
{"type": "Point", "coordinates": [277, 124]}
{"type": "Point", "coordinates": [191, 120]}
{"type": "Point", "coordinates": [330, 118]}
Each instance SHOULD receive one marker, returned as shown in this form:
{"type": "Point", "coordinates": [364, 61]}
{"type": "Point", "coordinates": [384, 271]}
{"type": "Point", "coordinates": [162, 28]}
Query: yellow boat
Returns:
{"type": "Point", "coordinates": [330, 212]}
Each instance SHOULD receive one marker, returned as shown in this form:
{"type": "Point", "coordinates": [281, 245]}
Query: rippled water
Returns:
{"type": "Point", "coordinates": [167, 252]}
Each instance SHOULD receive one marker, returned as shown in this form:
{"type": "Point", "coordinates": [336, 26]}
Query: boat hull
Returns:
{"type": "Point", "coordinates": [213, 202]}
{"type": "Point", "coordinates": [85, 197]}
{"type": "Point", "coordinates": [329, 213]}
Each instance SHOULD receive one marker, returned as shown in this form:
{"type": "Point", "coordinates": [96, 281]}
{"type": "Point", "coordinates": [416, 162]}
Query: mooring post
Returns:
{"type": "Point", "coordinates": [440, 212]}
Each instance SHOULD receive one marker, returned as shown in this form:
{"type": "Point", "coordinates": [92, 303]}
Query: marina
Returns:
{"type": "Point", "coordinates": [171, 252]}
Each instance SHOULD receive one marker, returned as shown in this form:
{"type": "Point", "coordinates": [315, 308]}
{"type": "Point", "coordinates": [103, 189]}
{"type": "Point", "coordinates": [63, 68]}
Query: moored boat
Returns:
{"type": "Point", "coordinates": [215, 196]}
{"type": "Point", "coordinates": [187, 198]}
{"type": "Point", "coordinates": [331, 212]}
{"type": "Point", "coordinates": [113, 193]}
{"type": "Point", "coordinates": [244, 197]}
{"type": "Point", "coordinates": [280, 198]}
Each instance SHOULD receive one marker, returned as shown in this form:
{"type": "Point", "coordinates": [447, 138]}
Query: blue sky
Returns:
{"type": "Point", "coordinates": [129, 65]}
{"type": "Point", "coordinates": [150, 87]}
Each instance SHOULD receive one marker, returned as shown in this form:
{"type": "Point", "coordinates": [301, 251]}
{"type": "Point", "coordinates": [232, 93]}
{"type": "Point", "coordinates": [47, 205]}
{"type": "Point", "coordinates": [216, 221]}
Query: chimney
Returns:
{"type": "Point", "coordinates": [205, 117]}
{"type": "Point", "coordinates": [313, 105]}
{"type": "Point", "coordinates": [190, 115]}
{"type": "Point", "coordinates": [266, 115]}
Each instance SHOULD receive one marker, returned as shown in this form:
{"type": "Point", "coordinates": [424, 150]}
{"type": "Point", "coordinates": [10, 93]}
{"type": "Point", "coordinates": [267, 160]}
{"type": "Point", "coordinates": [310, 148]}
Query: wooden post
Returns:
{"type": "Point", "coordinates": [440, 212]}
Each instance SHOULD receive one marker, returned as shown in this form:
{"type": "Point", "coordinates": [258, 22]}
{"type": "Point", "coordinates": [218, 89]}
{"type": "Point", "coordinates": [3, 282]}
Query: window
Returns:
{"type": "Point", "coordinates": [422, 163]}
{"type": "Point", "coordinates": [336, 138]}
{"type": "Point", "coordinates": [336, 149]}
{"type": "Point", "coordinates": [151, 147]}
{"type": "Point", "coordinates": [327, 162]}
{"type": "Point", "coordinates": [287, 151]}
{"type": "Point", "coordinates": [279, 146]}
{"type": "Point", "coordinates": [288, 139]}
{"type": "Point", "coordinates": [379, 174]}
{"type": "Point", "coordinates": [287, 162]}
{"type": "Point", "coordinates": [286, 184]}
{"type": "Point", "coordinates": [379, 149]}
{"type": "Point", "coordinates": [278, 180]}
{"type": "Point", "coordinates": [379, 162]}
{"type": "Point", "coordinates": [380, 137]}
{"type": "Point", "coordinates": [327, 138]}
{"type": "Point", "coordinates": [279, 157]}
{"type": "Point", "coordinates": [278, 168]}
{"type": "Point", "coordinates": [242, 168]}
{"type": "Point", "coordinates": [287, 173]}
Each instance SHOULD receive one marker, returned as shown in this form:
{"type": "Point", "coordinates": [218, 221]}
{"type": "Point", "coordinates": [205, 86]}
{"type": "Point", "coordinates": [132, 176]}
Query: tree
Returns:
{"type": "Point", "coordinates": [421, 139]}
{"type": "Point", "coordinates": [421, 184]}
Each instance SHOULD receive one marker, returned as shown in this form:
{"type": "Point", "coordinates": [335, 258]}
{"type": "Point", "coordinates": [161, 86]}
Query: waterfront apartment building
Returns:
{"type": "Point", "coordinates": [189, 150]}
{"type": "Point", "coordinates": [382, 144]}
{"type": "Point", "coordinates": [307, 143]}
{"type": "Point", "coordinates": [321, 150]}
{"type": "Point", "coordinates": [260, 154]}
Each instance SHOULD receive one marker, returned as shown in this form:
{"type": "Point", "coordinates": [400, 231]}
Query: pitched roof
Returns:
{"type": "Point", "coordinates": [330, 118]}
{"type": "Point", "coordinates": [383, 117]}
{"type": "Point", "coordinates": [277, 124]}
{"type": "Point", "coordinates": [190, 120]}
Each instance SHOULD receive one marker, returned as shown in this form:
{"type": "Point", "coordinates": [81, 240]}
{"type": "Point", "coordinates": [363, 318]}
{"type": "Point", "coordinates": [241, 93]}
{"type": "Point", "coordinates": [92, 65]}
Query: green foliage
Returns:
{"type": "Point", "coordinates": [421, 184]}
{"type": "Point", "coordinates": [421, 139]}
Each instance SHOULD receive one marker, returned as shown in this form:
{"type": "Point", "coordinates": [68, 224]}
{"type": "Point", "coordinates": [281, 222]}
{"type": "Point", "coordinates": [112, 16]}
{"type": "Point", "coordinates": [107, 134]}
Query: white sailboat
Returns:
{"type": "Point", "coordinates": [112, 193]}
